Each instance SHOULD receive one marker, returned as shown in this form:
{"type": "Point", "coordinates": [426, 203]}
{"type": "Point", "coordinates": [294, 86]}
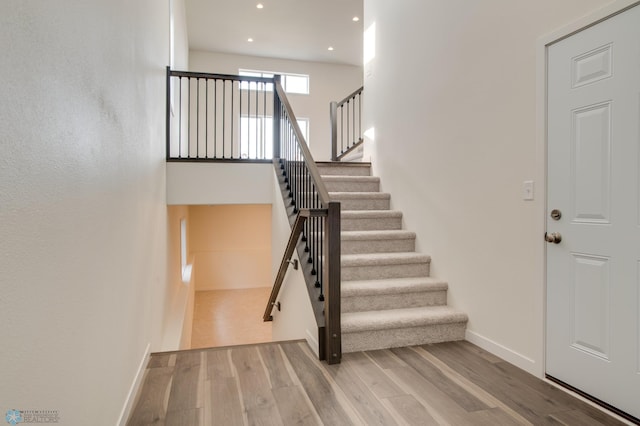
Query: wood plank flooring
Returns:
{"type": "Point", "coordinates": [284, 384]}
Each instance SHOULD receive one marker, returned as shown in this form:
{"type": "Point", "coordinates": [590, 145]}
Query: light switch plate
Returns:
{"type": "Point", "coordinates": [527, 190]}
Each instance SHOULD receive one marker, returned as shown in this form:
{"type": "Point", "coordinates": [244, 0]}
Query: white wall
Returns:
{"type": "Point", "coordinates": [296, 319]}
{"type": "Point", "coordinates": [451, 93]}
{"type": "Point", "coordinates": [180, 295]}
{"type": "Point", "coordinates": [327, 82]}
{"type": "Point", "coordinates": [82, 202]}
{"type": "Point", "coordinates": [219, 183]}
{"type": "Point", "coordinates": [180, 37]}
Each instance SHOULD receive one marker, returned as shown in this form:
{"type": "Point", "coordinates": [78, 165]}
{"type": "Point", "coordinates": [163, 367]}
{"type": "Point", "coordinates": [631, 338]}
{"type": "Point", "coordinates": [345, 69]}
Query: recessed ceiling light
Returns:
{"type": "Point", "coordinates": [250, 40]}
{"type": "Point", "coordinates": [259, 5]}
{"type": "Point", "coordinates": [330, 48]}
{"type": "Point", "coordinates": [355, 19]}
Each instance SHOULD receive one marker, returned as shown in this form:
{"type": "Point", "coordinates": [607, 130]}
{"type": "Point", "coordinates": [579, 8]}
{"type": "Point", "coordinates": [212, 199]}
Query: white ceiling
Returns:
{"type": "Point", "coordinates": [287, 29]}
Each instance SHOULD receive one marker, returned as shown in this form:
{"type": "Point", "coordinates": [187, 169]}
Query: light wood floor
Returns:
{"type": "Point", "coordinates": [230, 317]}
{"type": "Point", "coordinates": [284, 384]}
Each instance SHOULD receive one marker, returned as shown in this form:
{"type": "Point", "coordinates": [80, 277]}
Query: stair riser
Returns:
{"type": "Point", "coordinates": [393, 301]}
{"type": "Point", "coordinates": [353, 273]}
{"type": "Point", "coordinates": [371, 224]}
{"type": "Point", "coordinates": [377, 246]}
{"type": "Point", "coordinates": [364, 204]}
{"type": "Point", "coordinates": [394, 338]}
{"type": "Point", "coordinates": [386, 245]}
{"type": "Point", "coordinates": [333, 186]}
{"type": "Point", "coordinates": [344, 170]}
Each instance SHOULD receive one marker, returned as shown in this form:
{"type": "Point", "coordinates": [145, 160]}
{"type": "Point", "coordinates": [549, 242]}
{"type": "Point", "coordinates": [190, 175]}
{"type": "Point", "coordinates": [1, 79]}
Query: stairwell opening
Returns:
{"type": "Point", "coordinates": [229, 247]}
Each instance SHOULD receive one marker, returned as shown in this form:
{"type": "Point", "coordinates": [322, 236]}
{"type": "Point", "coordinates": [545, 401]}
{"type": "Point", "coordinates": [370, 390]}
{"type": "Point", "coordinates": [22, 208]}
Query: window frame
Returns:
{"type": "Point", "coordinates": [284, 77]}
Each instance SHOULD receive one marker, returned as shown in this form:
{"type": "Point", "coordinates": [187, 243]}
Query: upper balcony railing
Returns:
{"type": "Point", "coordinates": [346, 125]}
{"type": "Point", "coordinates": [218, 117]}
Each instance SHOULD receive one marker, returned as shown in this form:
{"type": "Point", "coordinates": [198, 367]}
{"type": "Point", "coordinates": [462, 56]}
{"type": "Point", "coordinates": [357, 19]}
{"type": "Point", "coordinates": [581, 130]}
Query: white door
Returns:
{"type": "Point", "coordinates": [593, 273]}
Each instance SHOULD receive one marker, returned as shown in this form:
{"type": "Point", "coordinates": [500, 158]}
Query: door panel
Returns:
{"type": "Point", "coordinates": [590, 305]}
{"type": "Point", "coordinates": [593, 157]}
{"type": "Point", "coordinates": [591, 163]}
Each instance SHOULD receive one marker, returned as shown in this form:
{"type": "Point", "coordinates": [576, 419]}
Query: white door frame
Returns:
{"type": "Point", "coordinates": [543, 43]}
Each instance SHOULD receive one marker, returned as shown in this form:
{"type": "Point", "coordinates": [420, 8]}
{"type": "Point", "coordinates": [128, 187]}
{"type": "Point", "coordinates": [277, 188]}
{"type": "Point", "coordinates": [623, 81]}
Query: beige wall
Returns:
{"type": "Point", "coordinates": [454, 111]}
{"type": "Point", "coordinates": [231, 246]}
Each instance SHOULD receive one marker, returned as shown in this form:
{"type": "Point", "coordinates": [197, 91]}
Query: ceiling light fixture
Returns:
{"type": "Point", "coordinates": [250, 40]}
{"type": "Point", "coordinates": [259, 5]}
{"type": "Point", "coordinates": [355, 19]}
{"type": "Point", "coordinates": [330, 48]}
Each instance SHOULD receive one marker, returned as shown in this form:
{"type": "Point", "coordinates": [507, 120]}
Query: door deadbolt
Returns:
{"type": "Point", "coordinates": [553, 237]}
{"type": "Point", "coordinates": [556, 214]}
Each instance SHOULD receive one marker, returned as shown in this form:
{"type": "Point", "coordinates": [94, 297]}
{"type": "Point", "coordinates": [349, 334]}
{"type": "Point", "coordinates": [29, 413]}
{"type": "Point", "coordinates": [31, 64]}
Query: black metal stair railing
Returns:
{"type": "Point", "coordinates": [319, 244]}
{"type": "Point", "coordinates": [346, 125]}
{"type": "Point", "coordinates": [219, 117]}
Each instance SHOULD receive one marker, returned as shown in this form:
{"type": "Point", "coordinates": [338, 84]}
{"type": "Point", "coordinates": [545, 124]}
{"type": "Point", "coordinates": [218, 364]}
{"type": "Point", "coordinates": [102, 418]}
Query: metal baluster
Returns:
{"type": "Point", "coordinates": [189, 119]}
{"type": "Point", "coordinates": [206, 118]}
{"type": "Point", "coordinates": [353, 124]}
{"type": "Point", "coordinates": [341, 137]}
{"type": "Point", "coordinates": [168, 114]}
{"type": "Point", "coordinates": [180, 120]}
{"type": "Point", "coordinates": [197, 118]}
{"type": "Point", "coordinates": [215, 118]}
{"type": "Point", "coordinates": [348, 106]}
{"type": "Point", "coordinates": [359, 115]}
{"type": "Point", "coordinates": [233, 87]}
{"type": "Point", "coordinates": [224, 114]}
{"type": "Point", "coordinates": [240, 120]}
{"type": "Point", "coordinates": [321, 252]}
{"type": "Point", "coordinates": [257, 121]}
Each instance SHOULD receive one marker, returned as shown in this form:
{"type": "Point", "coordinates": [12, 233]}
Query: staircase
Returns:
{"type": "Point", "coordinates": [388, 298]}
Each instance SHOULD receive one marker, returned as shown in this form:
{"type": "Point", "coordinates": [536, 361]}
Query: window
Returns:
{"type": "Point", "coordinates": [257, 141]}
{"type": "Point", "coordinates": [291, 83]}
{"type": "Point", "coordinates": [185, 268]}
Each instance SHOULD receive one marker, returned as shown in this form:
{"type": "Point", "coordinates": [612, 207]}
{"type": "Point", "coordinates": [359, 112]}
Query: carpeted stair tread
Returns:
{"type": "Point", "coordinates": [394, 234]}
{"type": "Point", "coordinates": [338, 196]}
{"type": "Point", "coordinates": [391, 286]}
{"type": "Point", "coordinates": [376, 259]}
{"type": "Point", "coordinates": [353, 322]}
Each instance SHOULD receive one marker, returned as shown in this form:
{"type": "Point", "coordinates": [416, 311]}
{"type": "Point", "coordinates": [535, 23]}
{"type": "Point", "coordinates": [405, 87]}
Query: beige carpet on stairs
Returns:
{"type": "Point", "coordinates": [388, 298]}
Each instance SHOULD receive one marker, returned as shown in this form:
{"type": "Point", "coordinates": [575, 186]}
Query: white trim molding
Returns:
{"type": "Point", "coordinates": [135, 386]}
{"type": "Point", "coordinates": [505, 353]}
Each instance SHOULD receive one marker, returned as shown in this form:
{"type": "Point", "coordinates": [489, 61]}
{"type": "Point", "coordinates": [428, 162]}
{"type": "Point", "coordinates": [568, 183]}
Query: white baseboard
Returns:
{"type": "Point", "coordinates": [505, 353]}
{"type": "Point", "coordinates": [312, 341]}
{"type": "Point", "coordinates": [133, 391]}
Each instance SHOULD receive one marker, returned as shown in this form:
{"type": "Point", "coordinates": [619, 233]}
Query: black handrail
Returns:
{"type": "Point", "coordinates": [346, 125]}
{"type": "Point", "coordinates": [304, 189]}
{"type": "Point", "coordinates": [296, 231]}
{"type": "Point", "coordinates": [302, 145]}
